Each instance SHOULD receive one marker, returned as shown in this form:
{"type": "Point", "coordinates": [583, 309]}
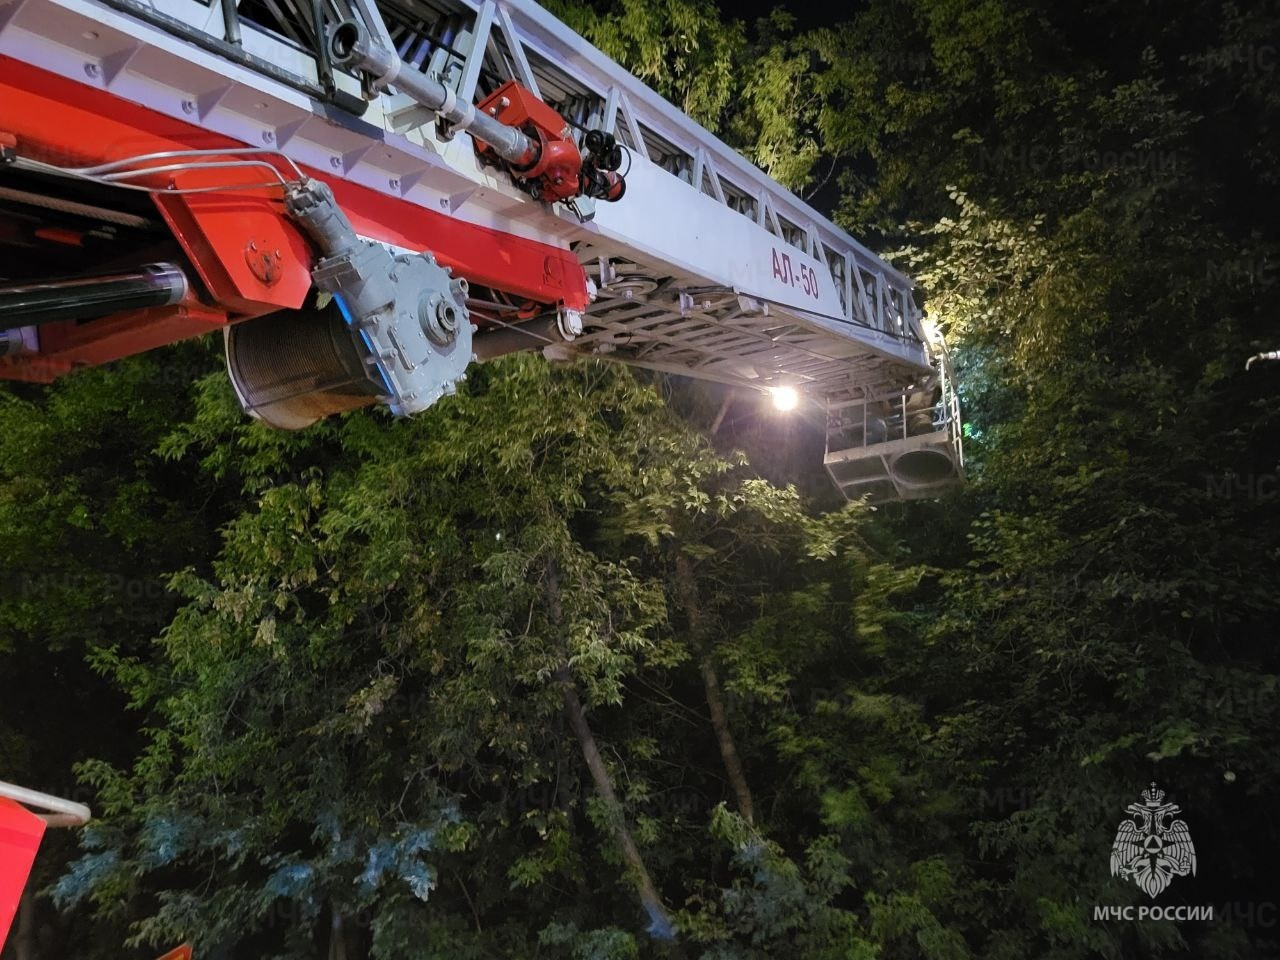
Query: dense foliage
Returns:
{"type": "Point", "coordinates": [543, 673]}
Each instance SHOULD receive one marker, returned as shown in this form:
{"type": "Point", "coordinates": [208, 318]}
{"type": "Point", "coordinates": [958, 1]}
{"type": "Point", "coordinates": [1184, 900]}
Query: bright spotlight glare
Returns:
{"type": "Point", "coordinates": [784, 398]}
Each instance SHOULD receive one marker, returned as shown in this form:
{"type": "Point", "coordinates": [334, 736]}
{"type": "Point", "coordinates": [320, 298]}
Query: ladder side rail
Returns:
{"type": "Point", "coordinates": [762, 210]}
{"type": "Point", "coordinates": [421, 170]}
{"type": "Point", "coordinates": [524, 73]}
{"type": "Point", "coordinates": [268, 50]}
{"type": "Point", "coordinates": [663, 119]}
{"type": "Point", "coordinates": [146, 63]}
{"type": "Point", "coordinates": [689, 165]}
{"type": "Point", "coordinates": [542, 33]}
{"type": "Point", "coordinates": [770, 197]}
{"type": "Point", "coordinates": [475, 56]}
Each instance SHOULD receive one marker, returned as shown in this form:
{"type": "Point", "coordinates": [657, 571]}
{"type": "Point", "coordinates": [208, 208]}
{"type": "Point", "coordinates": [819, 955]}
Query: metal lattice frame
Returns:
{"type": "Point", "coordinates": [866, 461]}
{"type": "Point", "coordinates": [707, 267]}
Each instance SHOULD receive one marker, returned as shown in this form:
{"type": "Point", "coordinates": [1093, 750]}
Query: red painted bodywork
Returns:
{"type": "Point", "coordinates": [62, 122]}
{"type": "Point", "coordinates": [557, 166]}
{"type": "Point", "coordinates": [20, 834]}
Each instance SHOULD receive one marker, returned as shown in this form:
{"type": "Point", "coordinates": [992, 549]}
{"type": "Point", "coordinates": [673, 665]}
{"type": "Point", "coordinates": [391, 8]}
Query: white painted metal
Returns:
{"type": "Point", "coordinates": [914, 452]}
{"type": "Point", "coordinates": [744, 282]}
{"type": "Point", "coordinates": [60, 813]}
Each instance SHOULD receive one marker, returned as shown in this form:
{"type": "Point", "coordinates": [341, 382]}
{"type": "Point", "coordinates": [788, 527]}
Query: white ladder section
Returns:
{"type": "Point", "coordinates": [706, 267]}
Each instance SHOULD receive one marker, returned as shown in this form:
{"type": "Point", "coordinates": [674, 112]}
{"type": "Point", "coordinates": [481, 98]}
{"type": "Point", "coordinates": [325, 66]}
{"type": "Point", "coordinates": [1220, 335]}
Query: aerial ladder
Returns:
{"type": "Point", "coordinates": [363, 197]}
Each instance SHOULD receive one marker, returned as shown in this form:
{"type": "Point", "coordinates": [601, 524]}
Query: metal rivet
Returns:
{"type": "Point", "coordinates": [393, 183]}
{"type": "Point", "coordinates": [268, 136]}
{"type": "Point", "coordinates": [91, 70]}
{"type": "Point", "coordinates": [335, 162]}
{"type": "Point", "coordinates": [188, 106]}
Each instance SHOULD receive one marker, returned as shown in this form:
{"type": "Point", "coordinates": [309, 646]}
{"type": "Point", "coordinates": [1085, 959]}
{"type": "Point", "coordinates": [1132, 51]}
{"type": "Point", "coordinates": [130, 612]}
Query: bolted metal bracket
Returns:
{"type": "Point", "coordinates": [264, 262]}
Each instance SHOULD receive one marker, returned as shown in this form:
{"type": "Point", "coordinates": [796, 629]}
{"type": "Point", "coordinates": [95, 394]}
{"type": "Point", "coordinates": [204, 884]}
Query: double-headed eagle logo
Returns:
{"type": "Point", "coordinates": [1149, 851]}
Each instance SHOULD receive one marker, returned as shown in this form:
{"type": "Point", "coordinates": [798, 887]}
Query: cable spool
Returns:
{"type": "Point", "coordinates": [294, 367]}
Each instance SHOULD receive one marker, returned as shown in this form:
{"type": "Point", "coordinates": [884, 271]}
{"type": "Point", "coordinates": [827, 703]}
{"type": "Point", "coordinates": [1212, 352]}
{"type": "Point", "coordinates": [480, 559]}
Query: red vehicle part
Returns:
{"type": "Point", "coordinates": [68, 346]}
{"type": "Point", "coordinates": [553, 171]}
{"type": "Point", "coordinates": [247, 252]}
{"type": "Point", "coordinates": [20, 835]}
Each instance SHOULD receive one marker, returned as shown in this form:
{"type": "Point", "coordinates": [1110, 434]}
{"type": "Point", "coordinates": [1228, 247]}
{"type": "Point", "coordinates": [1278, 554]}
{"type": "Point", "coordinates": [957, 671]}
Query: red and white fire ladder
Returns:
{"type": "Point", "coordinates": [365, 199]}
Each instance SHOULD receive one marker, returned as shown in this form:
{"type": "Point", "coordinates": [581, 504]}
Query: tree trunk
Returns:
{"type": "Point", "coordinates": [661, 926]}
{"type": "Point", "coordinates": [24, 944]}
{"type": "Point", "coordinates": [688, 591]}
{"type": "Point", "coordinates": [724, 735]}
{"type": "Point", "coordinates": [337, 938]}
